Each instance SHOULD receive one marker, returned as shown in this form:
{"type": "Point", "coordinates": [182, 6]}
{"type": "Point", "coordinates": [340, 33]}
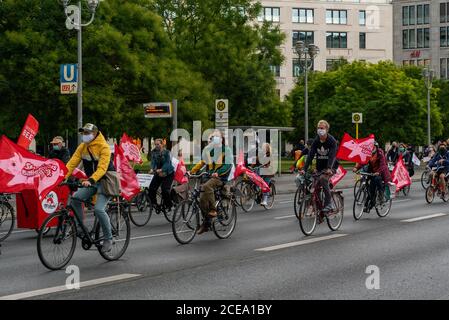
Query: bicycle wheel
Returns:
{"type": "Point", "coordinates": [168, 214]}
{"type": "Point", "coordinates": [335, 218]}
{"type": "Point", "coordinates": [445, 197]}
{"type": "Point", "coordinates": [430, 194]}
{"type": "Point", "coordinates": [140, 218]}
{"type": "Point", "coordinates": [185, 221]}
{"type": "Point", "coordinates": [7, 218]}
{"type": "Point", "coordinates": [308, 218]}
{"type": "Point", "coordinates": [425, 179]}
{"type": "Point", "coordinates": [359, 203]}
{"type": "Point", "coordinates": [357, 186]}
{"type": "Point", "coordinates": [299, 195]}
{"type": "Point", "coordinates": [226, 220]}
{"type": "Point", "coordinates": [121, 232]}
{"type": "Point", "coordinates": [271, 197]}
{"type": "Point", "coordinates": [247, 200]}
{"type": "Point", "coordinates": [141, 201]}
{"type": "Point", "coordinates": [56, 248]}
{"type": "Point", "coordinates": [383, 206]}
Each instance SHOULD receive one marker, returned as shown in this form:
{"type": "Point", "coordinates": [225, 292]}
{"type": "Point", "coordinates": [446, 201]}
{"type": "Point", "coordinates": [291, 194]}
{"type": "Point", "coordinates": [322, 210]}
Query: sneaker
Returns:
{"type": "Point", "coordinates": [264, 201]}
{"type": "Point", "coordinates": [213, 214]}
{"type": "Point", "coordinates": [328, 208]}
{"type": "Point", "coordinates": [107, 246]}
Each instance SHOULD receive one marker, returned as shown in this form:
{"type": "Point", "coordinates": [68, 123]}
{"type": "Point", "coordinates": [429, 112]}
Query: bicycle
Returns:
{"type": "Point", "coordinates": [312, 208]}
{"type": "Point", "coordinates": [362, 199]}
{"type": "Point", "coordinates": [425, 178]}
{"type": "Point", "coordinates": [304, 185]}
{"type": "Point", "coordinates": [187, 217]}
{"type": "Point", "coordinates": [7, 216]}
{"type": "Point", "coordinates": [64, 231]}
{"type": "Point", "coordinates": [434, 187]}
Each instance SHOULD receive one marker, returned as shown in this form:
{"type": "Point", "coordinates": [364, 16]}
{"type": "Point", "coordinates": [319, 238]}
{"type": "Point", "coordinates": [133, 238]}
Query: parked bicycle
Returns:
{"type": "Point", "coordinates": [56, 248]}
{"type": "Point", "coordinates": [312, 208]}
{"type": "Point", "coordinates": [434, 187]}
{"type": "Point", "coordinates": [7, 216]}
{"type": "Point", "coordinates": [362, 199]}
{"type": "Point", "coordinates": [188, 218]}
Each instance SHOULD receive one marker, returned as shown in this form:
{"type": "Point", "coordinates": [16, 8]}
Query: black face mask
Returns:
{"type": "Point", "coordinates": [442, 151]}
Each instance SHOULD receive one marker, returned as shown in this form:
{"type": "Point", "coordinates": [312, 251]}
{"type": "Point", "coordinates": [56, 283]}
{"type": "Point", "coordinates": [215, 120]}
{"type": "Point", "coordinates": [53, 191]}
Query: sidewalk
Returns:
{"type": "Point", "coordinates": [285, 184]}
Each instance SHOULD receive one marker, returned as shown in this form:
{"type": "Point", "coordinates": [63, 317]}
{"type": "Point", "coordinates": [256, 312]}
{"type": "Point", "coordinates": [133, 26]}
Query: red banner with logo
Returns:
{"type": "Point", "coordinates": [22, 170]}
{"type": "Point", "coordinates": [400, 175]}
{"type": "Point", "coordinates": [29, 131]}
{"type": "Point", "coordinates": [356, 150]}
{"type": "Point", "coordinates": [340, 174]}
{"type": "Point", "coordinates": [130, 149]}
{"type": "Point", "coordinates": [129, 184]}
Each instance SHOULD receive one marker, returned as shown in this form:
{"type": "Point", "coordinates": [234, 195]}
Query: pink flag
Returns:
{"type": "Point", "coordinates": [22, 170]}
{"type": "Point", "coordinates": [130, 150]}
{"type": "Point", "coordinates": [29, 131]}
{"type": "Point", "coordinates": [77, 173]}
{"type": "Point", "coordinates": [129, 184]}
{"type": "Point", "coordinates": [341, 172]}
{"type": "Point", "coordinates": [356, 150]}
{"type": "Point", "coordinates": [180, 172]}
{"type": "Point", "coordinates": [258, 180]}
{"type": "Point", "coordinates": [240, 168]}
{"type": "Point", "coordinates": [400, 175]}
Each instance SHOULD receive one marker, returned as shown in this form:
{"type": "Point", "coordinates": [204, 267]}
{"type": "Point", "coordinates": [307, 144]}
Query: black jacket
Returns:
{"type": "Point", "coordinates": [63, 155]}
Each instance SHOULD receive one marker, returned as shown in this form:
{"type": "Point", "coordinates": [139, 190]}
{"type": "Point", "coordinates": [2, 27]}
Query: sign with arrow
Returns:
{"type": "Point", "coordinates": [69, 79]}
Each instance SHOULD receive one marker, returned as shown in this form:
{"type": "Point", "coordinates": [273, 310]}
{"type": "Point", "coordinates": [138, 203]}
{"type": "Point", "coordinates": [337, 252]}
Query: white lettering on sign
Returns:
{"type": "Point", "coordinates": [50, 202]}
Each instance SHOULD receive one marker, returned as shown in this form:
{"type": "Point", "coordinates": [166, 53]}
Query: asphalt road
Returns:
{"type": "Point", "coordinates": [411, 257]}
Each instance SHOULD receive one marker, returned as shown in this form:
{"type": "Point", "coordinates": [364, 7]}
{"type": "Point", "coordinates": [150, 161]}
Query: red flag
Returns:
{"type": "Point", "coordinates": [258, 180]}
{"type": "Point", "coordinates": [180, 172]}
{"type": "Point", "coordinates": [356, 150]}
{"type": "Point", "coordinates": [400, 175]}
{"type": "Point", "coordinates": [129, 184]}
{"type": "Point", "coordinates": [21, 170]}
{"type": "Point", "coordinates": [340, 174]}
{"type": "Point", "coordinates": [29, 131]}
{"type": "Point", "coordinates": [77, 173]}
{"type": "Point", "coordinates": [130, 150]}
{"type": "Point", "coordinates": [240, 168]}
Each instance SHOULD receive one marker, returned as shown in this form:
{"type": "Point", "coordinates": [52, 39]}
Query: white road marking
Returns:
{"type": "Point", "coordinates": [152, 236]}
{"type": "Point", "coordinates": [285, 217]}
{"type": "Point", "coordinates": [299, 243]}
{"type": "Point", "coordinates": [284, 202]}
{"type": "Point", "coordinates": [436, 215]}
{"type": "Point", "coordinates": [84, 284]}
{"type": "Point", "coordinates": [402, 200]}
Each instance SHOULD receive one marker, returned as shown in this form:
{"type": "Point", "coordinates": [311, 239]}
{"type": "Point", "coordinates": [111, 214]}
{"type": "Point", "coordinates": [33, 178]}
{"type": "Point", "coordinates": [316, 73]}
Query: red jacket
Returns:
{"type": "Point", "coordinates": [378, 164]}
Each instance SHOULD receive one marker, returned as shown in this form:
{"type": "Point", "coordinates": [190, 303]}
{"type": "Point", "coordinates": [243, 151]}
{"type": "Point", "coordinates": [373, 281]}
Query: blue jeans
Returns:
{"type": "Point", "coordinates": [100, 206]}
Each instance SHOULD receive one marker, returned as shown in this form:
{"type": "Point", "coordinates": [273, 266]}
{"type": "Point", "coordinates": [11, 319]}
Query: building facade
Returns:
{"type": "Point", "coordinates": [421, 34]}
{"type": "Point", "coordinates": [348, 29]}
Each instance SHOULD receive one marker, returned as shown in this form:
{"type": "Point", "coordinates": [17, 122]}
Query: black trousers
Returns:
{"type": "Point", "coordinates": [376, 184]}
{"type": "Point", "coordinates": [165, 183]}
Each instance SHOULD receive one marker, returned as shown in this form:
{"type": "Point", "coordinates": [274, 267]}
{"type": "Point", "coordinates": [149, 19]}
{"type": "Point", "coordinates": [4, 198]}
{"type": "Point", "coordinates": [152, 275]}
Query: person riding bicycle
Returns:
{"type": "Point", "coordinates": [393, 153]}
{"type": "Point", "coordinates": [58, 150]}
{"type": "Point", "coordinates": [325, 148]}
{"type": "Point", "coordinates": [218, 159]}
{"type": "Point", "coordinates": [163, 170]}
{"type": "Point", "coordinates": [378, 166]}
{"type": "Point", "coordinates": [441, 161]}
{"type": "Point", "coordinates": [265, 171]}
{"type": "Point", "coordinates": [95, 154]}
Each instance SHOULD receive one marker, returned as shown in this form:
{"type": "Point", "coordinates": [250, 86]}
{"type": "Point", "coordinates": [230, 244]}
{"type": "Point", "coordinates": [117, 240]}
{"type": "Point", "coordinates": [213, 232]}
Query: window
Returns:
{"type": "Point", "coordinates": [443, 12]}
{"type": "Point", "coordinates": [362, 40]}
{"type": "Point", "coordinates": [336, 40]}
{"type": "Point", "coordinates": [405, 16]}
{"type": "Point", "coordinates": [405, 63]}
{"type": "Point", "coordinates": [444, 33]}
{"type": "Point", "coordinates": [420, 38]}
{"type": "Point", "coordinates": [336, 17]}
{"type": "Point", "coordinates": [426, 38]}
{"type": "Point", "coordinates": [276, 70]}
{"type": "Point", "coordinates": [362, 17]}
{"type": "Point", "coordinates": [412, 15]}
{"type": "Point", "coordinates": [420, 14]}
{"type": "Point", "coordinates": [302, 15]}
{"type": "Point", "coordinates": [444, 66]}
{"type": "Point", "coordinates": [270, 14]}
{"type": "Point", "coordinates": [426, 14]}
{"type": "Point", "coordinates": [405, 39]}
{"type": "Point", "coordinates": [412, 38]}
{"type": "Point", "coordinates": [306, 36]}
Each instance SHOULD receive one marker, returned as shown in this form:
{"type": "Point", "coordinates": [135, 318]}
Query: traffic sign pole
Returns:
{"type": "Point", "coordinates": [357, 130]}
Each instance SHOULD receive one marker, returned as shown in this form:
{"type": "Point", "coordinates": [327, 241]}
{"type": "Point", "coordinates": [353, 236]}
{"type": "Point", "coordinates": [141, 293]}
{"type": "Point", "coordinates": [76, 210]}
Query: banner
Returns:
{"type": "Point", "coordinates": [180, 172]}
{"type": "Point", "coordinates": [416, 160]}
{"type": "Point", "coordinates": [130, 150]}
{"type": "Point", "coordinates": [129, 184]}
{"type": "Point", "coordinates": [400, 175]}
{"type": "Point", "coordinates": [356, 150]}
{"type": "Point", "coordinates": [29, 131]}
{"type": "Point", "coordinates": [340, 174]}
{"type": "Point", "coordinates": [254, 177]}
{"type": "Point", "coordinates": [21, 170]}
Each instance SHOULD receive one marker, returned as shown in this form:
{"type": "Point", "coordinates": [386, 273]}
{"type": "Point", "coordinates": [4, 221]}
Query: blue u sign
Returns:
{"type": "Point", "coordinates": [69, 73]}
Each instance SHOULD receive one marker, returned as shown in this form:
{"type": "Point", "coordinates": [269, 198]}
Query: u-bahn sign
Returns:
{"type": "Point", "coordinates": [221, 114]}
{"type": "Point", "coordinates": [158, 110]}
{"type": "Point", "coordinates": [357, 118]}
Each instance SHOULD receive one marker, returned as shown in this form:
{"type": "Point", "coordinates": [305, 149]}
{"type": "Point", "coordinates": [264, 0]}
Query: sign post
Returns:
{"type": "Point", "coordinates": [69, 78]}
{"type": "Point", "coordinates": [357, 118]}
{"type": "Point", "coordinates": [221, 114]}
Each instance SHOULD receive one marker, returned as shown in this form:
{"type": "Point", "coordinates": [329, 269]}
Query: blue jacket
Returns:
{"type": "Point", "coordinates": [162, 160]}
{"type": "Point", "coordinates": [437, 157]}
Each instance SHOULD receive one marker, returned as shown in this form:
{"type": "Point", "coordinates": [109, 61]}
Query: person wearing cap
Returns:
{"type": "Point", "coordinates": [58, 151]}
{"type": "Point", "coordinates": [378, 166]}
{"type": "Point", "coordinates": [95, 154]}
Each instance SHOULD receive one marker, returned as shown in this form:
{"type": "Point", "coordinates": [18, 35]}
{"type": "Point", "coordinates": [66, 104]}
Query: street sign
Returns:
{"type": "Point", "coordinates": [221, 113]}
{"type": "Point", "coordinates": [69, 78]}
{"type": "Point", "coordinates": [357, 118]}
{"type": "Point", "coordinates": [158, 110]}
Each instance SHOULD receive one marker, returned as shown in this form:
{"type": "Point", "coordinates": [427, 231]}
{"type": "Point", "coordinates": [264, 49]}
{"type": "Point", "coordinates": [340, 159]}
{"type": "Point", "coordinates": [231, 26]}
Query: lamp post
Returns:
{"type": "Point", "coordinates": [306, 55]}
{"type": "Point", "coordinates": [428, 79]}
{"type": "Point", "coordinates": [73, 21]}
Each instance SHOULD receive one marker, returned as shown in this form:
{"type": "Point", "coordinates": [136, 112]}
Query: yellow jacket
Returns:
{"type": "Point", "coordinates": [101, 153]}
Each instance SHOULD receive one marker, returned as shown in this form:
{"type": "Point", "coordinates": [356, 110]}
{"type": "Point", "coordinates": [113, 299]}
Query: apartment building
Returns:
{"type": "Point", "coordinates": [349, 29]}
{"type": "Point", "coordinates": [421, 34]}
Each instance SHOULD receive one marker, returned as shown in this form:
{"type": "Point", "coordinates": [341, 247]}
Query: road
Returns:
{"type": "Point", "coordinates": [411, 256]}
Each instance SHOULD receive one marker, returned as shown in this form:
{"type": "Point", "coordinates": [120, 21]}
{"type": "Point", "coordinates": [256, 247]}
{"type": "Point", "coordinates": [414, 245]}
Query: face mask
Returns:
{"type": "Point", "coordinates": [216, 140]}
{"type": "Point", "coordinates": [321, 132]}
{"type": "Point", "coordinates": [88, 138]}
{"type": "Point", "coordinates": [56, 147]}
{"type": "Point", "coordinates": [401, 149]}
{"type": "Point", "coordinates": [442, 150]}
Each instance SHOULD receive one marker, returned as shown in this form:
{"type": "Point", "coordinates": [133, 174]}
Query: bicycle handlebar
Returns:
{"type": "Point", "coordinates": [194, 176]}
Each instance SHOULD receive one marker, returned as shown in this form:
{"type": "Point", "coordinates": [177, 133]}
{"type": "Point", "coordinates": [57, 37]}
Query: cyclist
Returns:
{"type": "Point", "coordinates": [218, 159]}
{"type": "Point", "coordinates": [378, 166]}
{"type": "Point", "coordinates": [325, 148]}
{"type": "Point", "coordinates": [58, 151]}
{"type": "Point", "coordinates": [163, 170]}
{"type": "Point", "coordinates": [441, 160]}
{"type": "Point", "coordinates": [95, 154]}
{"type": "Point", "coordinates": [393, 153]}
{"type": "Point", "coordinates": [265, 171]}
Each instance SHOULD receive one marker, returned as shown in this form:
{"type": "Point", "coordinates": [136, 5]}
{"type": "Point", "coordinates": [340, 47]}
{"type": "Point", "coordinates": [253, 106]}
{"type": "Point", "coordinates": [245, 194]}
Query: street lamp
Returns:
{"type": "Point", "coordinates": [306, 55]}
{"type": "Point", "coordinates": [428, 79]}
{"type": "Point", "coordinates": [73, 21]}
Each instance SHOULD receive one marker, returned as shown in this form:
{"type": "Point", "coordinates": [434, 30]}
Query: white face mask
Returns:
{"type": "Point", "coordinates": [216, 140]}
{"type": "Point", "coordinates": [321, 132]}
{"type": "Point", "coordinates": [88, 137]}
